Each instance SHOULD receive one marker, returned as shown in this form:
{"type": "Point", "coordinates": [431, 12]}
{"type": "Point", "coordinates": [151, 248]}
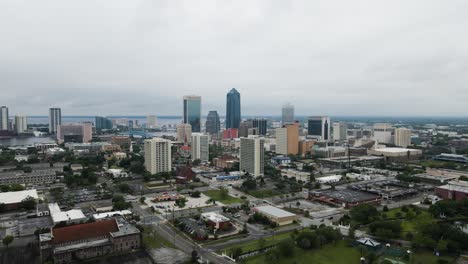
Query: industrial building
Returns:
{"type": "Point", "coordinates": [277, 215]}
{"type": "Point", "coordinates": [345, 198]}
{"type": "Point", "coordinates": [12, 200]}
{"type": "Point", "coordinates": [454, 190]}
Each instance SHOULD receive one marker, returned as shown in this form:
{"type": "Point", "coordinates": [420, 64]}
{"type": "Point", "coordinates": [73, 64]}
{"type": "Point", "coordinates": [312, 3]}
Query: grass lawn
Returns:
{"type": "Point", "coordinates": [156, 184]}
{"type": "Point", "coordinates": [409, 225]}
{"type": "Point", "coordinates": [151, 239]}
{"type": "Point", "coordinates": [254, 244]}
{"type": "Point", "coordinates": [426, 257]}
{"type": "Point", "coordinates": [336, 254]}
{"type": "Point", "coordinates": [216, 195]}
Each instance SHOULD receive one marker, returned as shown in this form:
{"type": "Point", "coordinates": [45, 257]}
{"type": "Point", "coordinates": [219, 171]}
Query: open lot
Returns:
{"type": "Point", "coordinates": [170, 205]}
{"type": "Point", "coordinates": [216, 195]}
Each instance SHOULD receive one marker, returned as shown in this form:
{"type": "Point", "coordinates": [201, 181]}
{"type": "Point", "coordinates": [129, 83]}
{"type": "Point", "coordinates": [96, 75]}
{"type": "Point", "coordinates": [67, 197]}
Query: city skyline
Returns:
{"type": "Point", "coordinates": [333, 62]}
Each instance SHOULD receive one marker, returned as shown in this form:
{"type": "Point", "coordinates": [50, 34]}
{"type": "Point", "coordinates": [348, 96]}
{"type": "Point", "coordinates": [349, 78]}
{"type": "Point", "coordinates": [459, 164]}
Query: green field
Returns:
{"type": "Point", "coordinates": [254, 244]}
{"type": "Point", "coordinates": [216, 195]}
{"type": "Point", "coordinates": [336, 254]}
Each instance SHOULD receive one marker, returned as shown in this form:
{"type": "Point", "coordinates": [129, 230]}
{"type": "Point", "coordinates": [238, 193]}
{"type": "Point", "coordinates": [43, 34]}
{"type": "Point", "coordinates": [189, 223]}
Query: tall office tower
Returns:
{"type": "Point", "coordinates": [192, 112]}
{"type": "Point", "coordinates": [402, 137]}
{"type": "Point", "coordinates": [21, 123]}
{"type": "Point", "coordinates": [261, 125]}
{"type": "Point", "coordinates": [4, 118]}
{"type": "Point", "coordinates": [383, 133]}
{"type": "Point", "coordinates": [233, 109]}
{"type": "Point", "coordinates": [319, 126]}
{"type": "Point", "coordinates": [287, 139]}
{"type": "Point", "coordinates": [252, 155]}
{"type": "Point", "coordinates": [200, 147]}
{"type": "Point", "coordinates": [340, 131]}
{"type": "Point", "coordinates": [184, 133]}
{"type": "Point", "coordinates": [158, 155]}
{"type": "Point", "coordinates": [151, 121]}
{"type": "Point", "coordinates": [212, 123]}
{"type": "Point", "coordinates": [244, 128]}
{"type": "Point", "coordinates": [55, 119]}
{"type": "Point", "coordinates": [103, 123]}
{"type": "Point", "coordinates": [287, 114]}
{"type": "Point", "coordinates": [77, 133]}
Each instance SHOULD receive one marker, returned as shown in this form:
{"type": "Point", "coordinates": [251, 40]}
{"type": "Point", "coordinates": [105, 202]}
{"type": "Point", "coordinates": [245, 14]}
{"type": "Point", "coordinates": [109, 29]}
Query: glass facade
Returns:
{"type": "Point", "coordinates": [192, 112]}
{"type": "Point", "coordinates": [212, 122]}
{"type": "Point", "coordinates": [314, 127]}
{"type": "Point", "coordinates": [233, 109]}
{"type": "Point", "coordinates": [103, 123]}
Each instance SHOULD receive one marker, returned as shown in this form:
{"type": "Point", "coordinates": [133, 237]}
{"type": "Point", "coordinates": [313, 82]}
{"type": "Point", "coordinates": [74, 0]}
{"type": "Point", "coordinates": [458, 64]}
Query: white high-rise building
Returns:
{"type": "Point", "coordinates": [21, 123]}
{"type": "Point", "coordinates": [402, 137]}
{"type": "Point", "coordinates": [158, 155]}
{"type": "Point", "coordinates": [340, 131]}
{"type": "Point", "coordinates": [287, 114]}
{"type": "Point", "coordinates": [252, 155]}
{"type": "Point", "coordinates": [200, 147]}
{"type": "Point", "coordinates": [151, 121]}
{"type": "Point", "coordinates": [3, 118]}
{"type": "Point", "coordinates": [383, 133]}
{"type": "Point", "coordinates": [55, 119]}
{"type": "Point", "coordinates": [184, 133]}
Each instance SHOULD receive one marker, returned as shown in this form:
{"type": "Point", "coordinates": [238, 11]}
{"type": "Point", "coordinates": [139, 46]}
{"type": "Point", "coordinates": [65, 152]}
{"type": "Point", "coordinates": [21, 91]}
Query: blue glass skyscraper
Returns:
{"type": "Point", "coordinates": [233, 109]}
{"type": "Point", "coordinates": [192, 112]}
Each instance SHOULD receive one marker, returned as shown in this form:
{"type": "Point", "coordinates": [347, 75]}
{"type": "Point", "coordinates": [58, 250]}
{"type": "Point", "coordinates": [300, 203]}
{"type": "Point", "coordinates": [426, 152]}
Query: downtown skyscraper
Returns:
{"type": "Point", "coordinates": [212, 124]}
{"type": "Point", "coordinates": [4, 118]}
{"type": "Point", "coordinates": [287, 114]}
{"type": "Point", "coordinates": [233, 109]}
{"type": "Point", "coordinates": [55, 119]}
{"type": "Point", "coordinates": [192, 112]}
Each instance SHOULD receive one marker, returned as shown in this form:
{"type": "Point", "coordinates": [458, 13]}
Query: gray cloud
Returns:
{"type": "Point", "coordinates": [138, 57]}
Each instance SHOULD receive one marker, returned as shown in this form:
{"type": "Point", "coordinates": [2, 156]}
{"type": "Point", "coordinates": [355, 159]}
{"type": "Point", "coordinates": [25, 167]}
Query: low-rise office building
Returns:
{"type": "Point", "coordinates": [36, 177]}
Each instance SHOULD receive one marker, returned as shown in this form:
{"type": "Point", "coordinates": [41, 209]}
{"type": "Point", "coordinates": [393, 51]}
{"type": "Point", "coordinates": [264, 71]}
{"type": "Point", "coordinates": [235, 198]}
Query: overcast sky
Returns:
{"type": "Point", "coordinates": [403, 58]}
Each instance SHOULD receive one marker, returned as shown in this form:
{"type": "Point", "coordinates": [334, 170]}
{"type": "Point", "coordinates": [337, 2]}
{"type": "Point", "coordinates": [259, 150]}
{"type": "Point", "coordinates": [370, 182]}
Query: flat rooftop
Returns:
{"type": "Point", "coordinates": [17, 197]}
{"type": "Point", "coordinates": [347, 195]}
{"type": "Point", "coordinates": [273, 211]}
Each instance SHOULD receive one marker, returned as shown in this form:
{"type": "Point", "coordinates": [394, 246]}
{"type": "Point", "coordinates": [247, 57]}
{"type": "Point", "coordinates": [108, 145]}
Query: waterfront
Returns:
{"type": "Point", "coordinates": [20, 141]}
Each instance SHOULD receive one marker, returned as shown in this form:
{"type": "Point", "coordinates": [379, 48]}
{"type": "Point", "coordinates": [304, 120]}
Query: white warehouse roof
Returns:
{"type": "Point", "coordinates": [110, 214]}
{"type": "Point", "coordinates": [273, 211]}
{"type": "Point", "coordinates": [17, 197]}
{"type": "Point", "coordinates": [70, 215]}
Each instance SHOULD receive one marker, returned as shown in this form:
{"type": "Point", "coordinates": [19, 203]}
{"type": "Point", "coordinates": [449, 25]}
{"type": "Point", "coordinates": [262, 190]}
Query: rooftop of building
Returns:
{"type": "Point", "coordinates": [17, 197]}
{"type": "Point", "coordinates": [459, 186]}
{"type": "Point", "coordinates": [347, 195]}
{"type": "Point", "coordinates": [215, 217]}
{"type": "Point", "coordinates": [84, 231]}
{"type": "Point", "coordinates": [273, 211]}
{"type": "Point", "coordinates": [396, 150]}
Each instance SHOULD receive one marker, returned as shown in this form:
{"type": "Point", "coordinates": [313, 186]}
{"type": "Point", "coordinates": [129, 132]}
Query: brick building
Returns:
{"type": "Point", "coordinates": [454, 190]}
{"type": "Point", "coordinates": [79, 242]}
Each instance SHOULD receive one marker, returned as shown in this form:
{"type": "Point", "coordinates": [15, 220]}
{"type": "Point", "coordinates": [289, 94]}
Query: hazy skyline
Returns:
{"type": "Point", "coordinates": [402, 58]}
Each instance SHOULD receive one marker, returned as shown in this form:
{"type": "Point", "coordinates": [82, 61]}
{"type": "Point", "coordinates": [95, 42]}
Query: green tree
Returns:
{"type": "Point", "coordinates": [7, 240]}
{"type": "Point", "coordinates": [29, 203]}
{"type": "Point", "coordinates": [363, 213]}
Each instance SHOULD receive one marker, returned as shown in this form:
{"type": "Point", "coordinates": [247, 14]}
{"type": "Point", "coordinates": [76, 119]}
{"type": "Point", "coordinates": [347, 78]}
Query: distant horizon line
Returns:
{"type": "Point", "coordinates": [253, 116]}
